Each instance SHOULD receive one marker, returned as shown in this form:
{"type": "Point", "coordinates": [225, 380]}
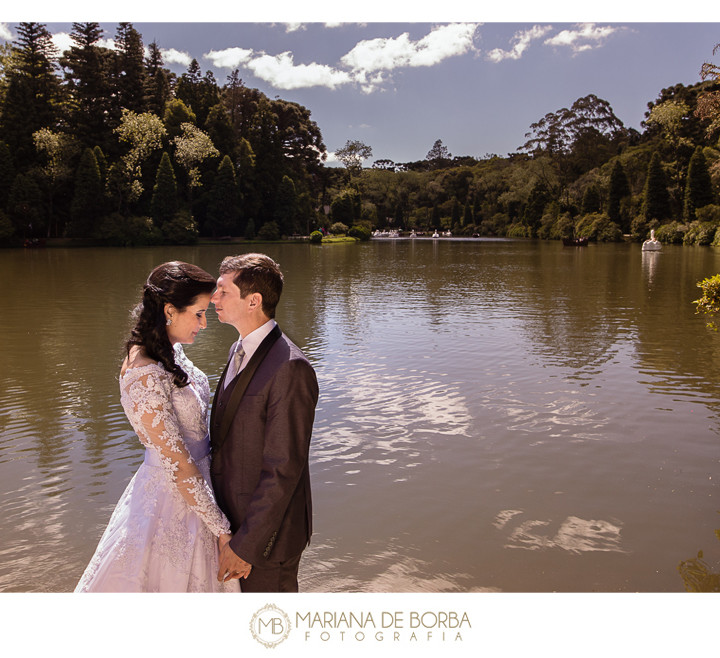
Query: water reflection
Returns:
{"type": "Point", "coordinates": [494, 415]}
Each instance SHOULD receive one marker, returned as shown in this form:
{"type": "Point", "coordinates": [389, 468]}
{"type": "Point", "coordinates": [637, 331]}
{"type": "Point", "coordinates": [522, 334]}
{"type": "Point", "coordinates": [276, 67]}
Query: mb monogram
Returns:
{"type": "Point", "coordinates": [270, 625]}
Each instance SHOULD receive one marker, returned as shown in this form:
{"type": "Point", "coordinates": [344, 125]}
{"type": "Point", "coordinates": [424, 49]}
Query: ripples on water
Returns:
{"type": "Point", "coordinates": [494, 416]}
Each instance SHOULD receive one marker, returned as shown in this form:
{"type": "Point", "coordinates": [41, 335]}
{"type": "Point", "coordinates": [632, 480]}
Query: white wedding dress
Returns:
{"type": "Point", "coordinates": [162, 535]}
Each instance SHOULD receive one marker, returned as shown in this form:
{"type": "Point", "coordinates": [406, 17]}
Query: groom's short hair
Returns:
{"type": "Point", "coordinates": [256, 273]}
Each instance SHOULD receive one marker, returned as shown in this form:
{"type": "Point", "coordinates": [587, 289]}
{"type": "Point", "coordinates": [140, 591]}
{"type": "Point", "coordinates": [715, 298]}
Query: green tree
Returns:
{"type": "Point", "coordinates": [192, 148]}
{"type": "Point", "coordinates": [130, 75]}
{"type": "Point", "coordinates": [157, 81]}
{"type": "Point", "coordinates": [220, 130]}
{"type": "Point", "coordinates": [345, 207]}
{"type": "Point", "coordinates": [467, 219]}
{"type": "Point", "coordinates": [7, 174]}
{"type": "Point", "coordinates": [24, 208]}
{"type": "Point", "coordinates": [286, 207]}
{"type": "Point", "coordinates": [102, 164]}
{"type": "Point", "coordinates": [33, 92]}
{"type": "Point", "coordinates": [142, 134]}
{"type": "Point", "coordinates": [198, 92]}
{"type": "Point", "coordinates": [56, 150]}
{"type": "Point", "coordinates": [656, 200]}
{"type": "Point", "coordinates": [223, 213]}
{"type": "Point", "coordinates": [352, 156]}
{"type": "Point", "coordinates": [455, 215]}
{"type": "Point", "coordinates": [175, 115]}
{"type": "Point", "coordinates": [535, 207]}
{"type": "Point", "coordinates": [164, 202]}
{"type": "Point", "coordinates": [592, 200]}
{"type": "Point", "coordinates": [87, 203]}
{"type": "Point", "coordinates": [438, 156]}
{"type": "Point", "coordinates": [87, 69]}
{"type": "Point", "coordinates": [698, 186]}
{"type": "Point", "coordinates": [619, 189]}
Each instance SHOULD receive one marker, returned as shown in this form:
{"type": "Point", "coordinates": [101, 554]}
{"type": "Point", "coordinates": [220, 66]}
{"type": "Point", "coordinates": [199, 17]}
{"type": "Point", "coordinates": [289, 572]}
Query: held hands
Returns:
{"type": "Point", "coordinates": [231, 566]}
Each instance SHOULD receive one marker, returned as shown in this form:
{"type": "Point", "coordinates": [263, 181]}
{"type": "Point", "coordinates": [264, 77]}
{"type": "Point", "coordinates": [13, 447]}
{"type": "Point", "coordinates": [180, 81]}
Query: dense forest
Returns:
{"type": "Point", "coordinates": [108, 146]}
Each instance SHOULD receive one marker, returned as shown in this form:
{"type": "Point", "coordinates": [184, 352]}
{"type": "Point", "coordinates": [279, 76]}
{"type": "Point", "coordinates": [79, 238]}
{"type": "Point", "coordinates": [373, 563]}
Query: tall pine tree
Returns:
{"type": "Point", "coordinates": [698, 187]}
{"type": "Point", "coordinates": [130, 69]}
{"type": "Point", "coordinates": [33, 92]}
{"type": "Point", "coordinates": [87, 203]}
{"type": "Point", "coordinates": [656, 199]}
{"type": "Point", "coordinates": [223, 215]}
{"type": "Point", "coordinates": [164, 203]}
{"type": "Point", "coordinates": [619, 189]}
{"type": "Point", "coordinates": [87, 69]}
{"type": "Point", "coordinates": [157, 81]}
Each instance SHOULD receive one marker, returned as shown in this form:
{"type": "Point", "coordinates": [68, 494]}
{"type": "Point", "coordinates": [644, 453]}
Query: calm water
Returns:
{"type": "Point", "coordinates": [493, 416]}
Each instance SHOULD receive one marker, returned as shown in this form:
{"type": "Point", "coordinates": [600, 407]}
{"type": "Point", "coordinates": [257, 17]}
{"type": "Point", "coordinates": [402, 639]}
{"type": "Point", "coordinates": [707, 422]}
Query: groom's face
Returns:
{"type": "Point", "coordinates": [228, 303]}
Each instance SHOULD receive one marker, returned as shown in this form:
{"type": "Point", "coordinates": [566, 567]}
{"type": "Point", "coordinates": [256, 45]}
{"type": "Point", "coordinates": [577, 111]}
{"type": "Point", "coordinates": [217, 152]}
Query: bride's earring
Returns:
{"type": "Point", "coordinates": [169, 322]}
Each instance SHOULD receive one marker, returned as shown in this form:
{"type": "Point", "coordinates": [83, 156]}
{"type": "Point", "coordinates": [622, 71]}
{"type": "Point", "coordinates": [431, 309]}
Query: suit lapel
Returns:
{"type": "Point", "coordinates": [241, 384]}
{"type": "Point", "coordinates": [218, 389]}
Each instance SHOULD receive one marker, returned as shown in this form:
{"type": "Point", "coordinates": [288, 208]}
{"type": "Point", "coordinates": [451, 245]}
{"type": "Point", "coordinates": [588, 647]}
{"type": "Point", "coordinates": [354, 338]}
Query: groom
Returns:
{"type": "Point", "coordinates": [260, 428]}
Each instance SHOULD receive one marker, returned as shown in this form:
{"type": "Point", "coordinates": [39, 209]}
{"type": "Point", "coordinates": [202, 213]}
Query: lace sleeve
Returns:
{"type": "Point", "coordinates": [156, 426]}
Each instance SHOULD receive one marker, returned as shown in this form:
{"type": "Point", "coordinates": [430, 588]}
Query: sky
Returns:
{"type": "Point", "coordinates": [399, 86]}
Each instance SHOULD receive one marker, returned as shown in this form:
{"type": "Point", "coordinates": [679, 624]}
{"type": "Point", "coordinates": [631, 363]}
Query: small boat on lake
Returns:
{"type": "Point", "coordinates": [575, 242]}
{"type": "Point", "coordinates": [653, 244]}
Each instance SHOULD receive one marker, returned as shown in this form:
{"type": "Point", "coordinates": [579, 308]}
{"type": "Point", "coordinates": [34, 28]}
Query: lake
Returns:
{"type": "Point", "coordinates": [494, 415]}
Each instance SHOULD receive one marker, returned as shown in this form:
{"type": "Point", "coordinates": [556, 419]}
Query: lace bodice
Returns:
{"type": "Point", "coordinates": [171, 422]}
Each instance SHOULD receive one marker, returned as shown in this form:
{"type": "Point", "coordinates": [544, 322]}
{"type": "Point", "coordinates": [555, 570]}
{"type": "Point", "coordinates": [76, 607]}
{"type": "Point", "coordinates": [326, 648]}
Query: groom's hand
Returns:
{"type": "Point", "coordinates": [232, 566]}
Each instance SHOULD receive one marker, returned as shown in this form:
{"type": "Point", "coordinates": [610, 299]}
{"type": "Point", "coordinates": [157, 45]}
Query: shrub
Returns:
{"type": "Point", "coordinates": [316, 237]}
{"type": "Point", "coordinates": [700, 233]}
{"type": "Point", "coordinates": [338, 228]}
{"type": "Point", "coordinates": [269, 231]}
{"type": "Point", "coordinates": [598, 226]}
{"type": "Point", "coordinates": [564, 227]}
{"type": "Point", "coordinates": [606, 230]}
{"type": "Point", "coordinates": [518, 230]}
{"type": "Point", "coordinates": [6, 226]}
{"type": "Point", "coordinates": [250, 229]}
{"type": "Point", "coordinates": [181, 228]}
{"type": "Point", "coordinates": [116, 229]}
{"type": "Point", "coordinates": [671, 233]}
{"type": "Point", "coordinates": [709, 303]}
{"type": "Point", "coordinates": [360, 232]}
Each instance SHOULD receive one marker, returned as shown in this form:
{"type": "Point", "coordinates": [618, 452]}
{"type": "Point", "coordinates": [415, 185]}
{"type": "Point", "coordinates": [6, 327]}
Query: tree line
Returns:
{"type": "Point", "coordinates": [107, 144]}
{"type": "Point", "coordinates": [580, 173]}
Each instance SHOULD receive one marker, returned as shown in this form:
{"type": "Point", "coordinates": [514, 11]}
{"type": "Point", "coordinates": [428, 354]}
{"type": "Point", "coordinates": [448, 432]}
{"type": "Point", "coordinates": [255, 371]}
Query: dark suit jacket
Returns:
{"type": "Point", "coordinates": [259, 467]}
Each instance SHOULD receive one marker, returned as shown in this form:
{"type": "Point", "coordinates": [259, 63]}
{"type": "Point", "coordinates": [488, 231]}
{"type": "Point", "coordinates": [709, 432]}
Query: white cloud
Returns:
{"type": "Point", "coordinates": [173, 56]}
{"type": "Point", "coordinates": [521, 42]}
{"type": "Point", "coordinates": [366, 65]}
{"type": "Point", "coordinates": [229, 58]}
{"type": "Point", "coordinates": [281, 72]}
{"type": "Point", "coordinates": [294, 27]}
{"type": "Point", "coordinates": [5, 32]}
{"type": "Point", "coordinates": [388, 54]}
{"type": "Point", "coordinates": [106, 43]}
{"type": "Point", "coordinates": [62, 41]}
{"type": "Point", "coordinates": [584, 37]}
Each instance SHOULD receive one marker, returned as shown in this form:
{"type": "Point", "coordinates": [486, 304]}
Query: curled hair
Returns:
{"type": "Point", "coordinates": [256, 273]}
{"type": "Point", "coordinates": [173, 283]}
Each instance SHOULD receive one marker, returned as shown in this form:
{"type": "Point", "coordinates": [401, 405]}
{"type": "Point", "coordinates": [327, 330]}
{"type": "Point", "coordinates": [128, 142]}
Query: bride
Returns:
{"type": "Point", "coordinates": [164, 533]}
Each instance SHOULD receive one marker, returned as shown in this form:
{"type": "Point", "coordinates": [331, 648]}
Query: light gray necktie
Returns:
{"type": "Point", "coordinates": [235, 364]}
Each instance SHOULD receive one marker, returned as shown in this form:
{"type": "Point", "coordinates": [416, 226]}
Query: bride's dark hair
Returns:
{"type": "Point", "coordinates": [173, 283]}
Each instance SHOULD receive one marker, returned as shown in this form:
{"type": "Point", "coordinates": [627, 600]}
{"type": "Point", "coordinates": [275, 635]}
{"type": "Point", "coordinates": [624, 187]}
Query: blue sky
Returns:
{"type": "Point", "coordinates": [399, 86]}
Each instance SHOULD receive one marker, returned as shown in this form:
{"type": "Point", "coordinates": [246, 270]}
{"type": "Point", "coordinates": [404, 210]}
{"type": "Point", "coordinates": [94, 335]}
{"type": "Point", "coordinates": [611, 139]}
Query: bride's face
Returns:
{"type": "Point", "coordinates": [186, 324]}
